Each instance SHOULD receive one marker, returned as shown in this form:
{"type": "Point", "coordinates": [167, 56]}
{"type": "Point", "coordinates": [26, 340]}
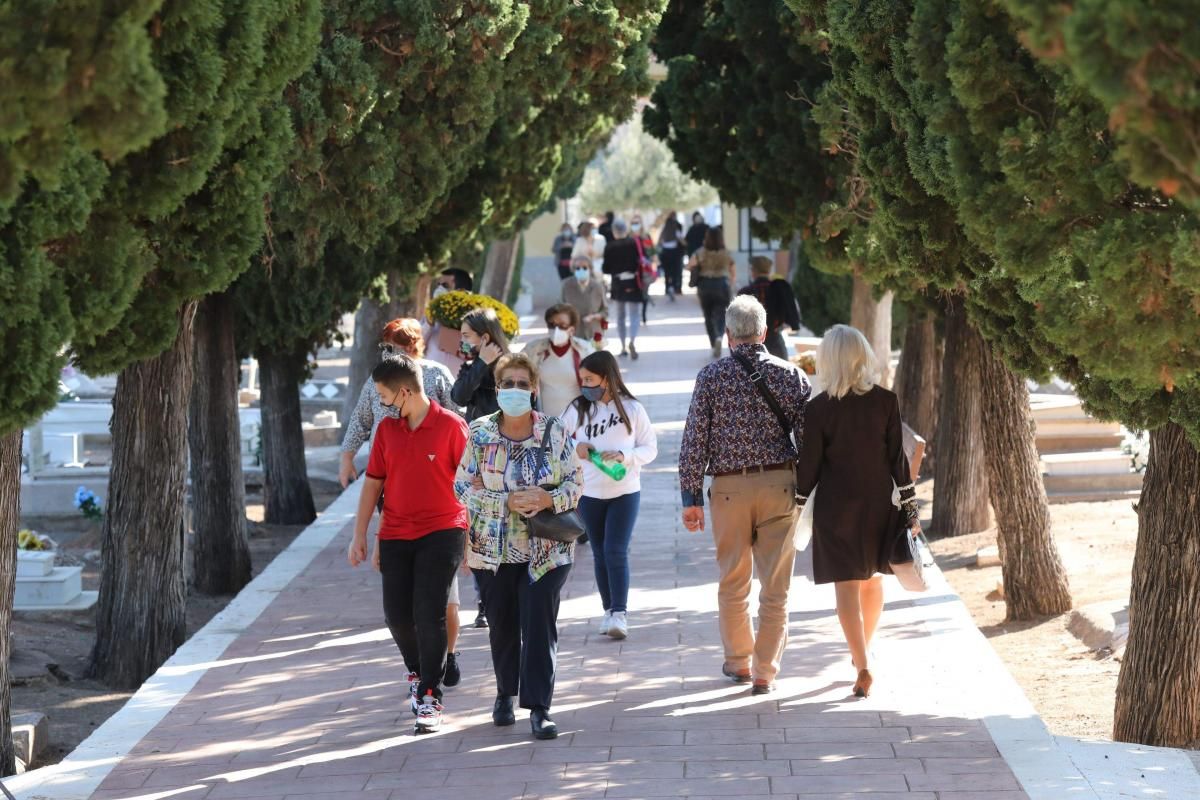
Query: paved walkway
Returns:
{"type": "Point", "coordinates": [295, 691]}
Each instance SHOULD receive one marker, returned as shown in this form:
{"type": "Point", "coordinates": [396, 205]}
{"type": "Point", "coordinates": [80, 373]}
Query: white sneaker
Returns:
{"type": "Point", "coordinates": [620, 625]}
{"type": "Point", "coordinates": [606, 623]}
{"type": "Point", "coordinates": [414, 702]}
{"type": "Point", "coordinates": [429, 715]}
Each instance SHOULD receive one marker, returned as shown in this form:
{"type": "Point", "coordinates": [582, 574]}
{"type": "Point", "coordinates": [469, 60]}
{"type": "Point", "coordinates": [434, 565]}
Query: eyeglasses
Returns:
{"type": "Point", "coordinates": [524, 386]}
{"type": "Point", "coordinates": [387, 347]}
{"type": "Point", "coordinates": [554, 326]}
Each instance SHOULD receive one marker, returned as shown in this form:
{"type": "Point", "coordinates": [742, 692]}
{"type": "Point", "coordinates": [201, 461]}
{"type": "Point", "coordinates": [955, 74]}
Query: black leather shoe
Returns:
{"type": "Point", "coordinates": [543, 726]}
{"type": "Point", "coordinates": [502, 712]}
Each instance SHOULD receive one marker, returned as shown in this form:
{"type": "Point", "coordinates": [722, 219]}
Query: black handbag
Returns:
{"type": "Point", "coordinates": [565, 528]}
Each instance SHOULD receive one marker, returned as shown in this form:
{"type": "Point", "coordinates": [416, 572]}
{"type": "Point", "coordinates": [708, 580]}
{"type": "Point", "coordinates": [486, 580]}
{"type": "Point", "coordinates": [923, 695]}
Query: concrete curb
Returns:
{"type": "Point", "coordinates": [81, 772]}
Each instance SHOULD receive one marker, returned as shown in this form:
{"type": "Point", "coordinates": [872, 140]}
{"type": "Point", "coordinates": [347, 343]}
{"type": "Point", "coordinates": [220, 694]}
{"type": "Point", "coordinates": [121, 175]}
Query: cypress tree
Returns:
{"type": "Point", "coordinates": [190, 206]}
{"type": "Point", "coordinates": [78, 89]}
{"type": "Point", "coordinates": [915, 218]}
{"type": "Point", "coordinates": [1102, 263]}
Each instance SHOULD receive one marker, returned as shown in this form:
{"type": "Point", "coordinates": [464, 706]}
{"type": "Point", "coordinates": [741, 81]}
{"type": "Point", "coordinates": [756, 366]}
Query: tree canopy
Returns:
{"type": "Point", "coordinates": [636, 170]}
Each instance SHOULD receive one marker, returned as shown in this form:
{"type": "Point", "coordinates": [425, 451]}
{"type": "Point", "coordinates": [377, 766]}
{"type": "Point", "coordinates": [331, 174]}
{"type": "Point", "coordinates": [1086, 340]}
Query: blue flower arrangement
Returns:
{"type": "Point", "coordinates": [88, 504]}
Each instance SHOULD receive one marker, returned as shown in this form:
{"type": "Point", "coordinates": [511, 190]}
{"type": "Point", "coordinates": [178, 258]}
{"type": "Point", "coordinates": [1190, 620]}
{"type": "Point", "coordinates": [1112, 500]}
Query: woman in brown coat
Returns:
{"type": "Point", "coordinates": [853, 451]}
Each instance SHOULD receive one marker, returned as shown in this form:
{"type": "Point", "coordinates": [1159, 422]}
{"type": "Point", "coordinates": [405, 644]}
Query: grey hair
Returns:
{"type": "Point", "coordinates": [745, 319]}
{"type": "Point", "coordinates": [620, 227]}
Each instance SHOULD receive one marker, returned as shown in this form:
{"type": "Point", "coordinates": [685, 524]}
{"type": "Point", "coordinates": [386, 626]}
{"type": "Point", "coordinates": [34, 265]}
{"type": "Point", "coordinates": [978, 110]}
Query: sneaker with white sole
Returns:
{"type": "Point", "coordinates": [429, 715]}
{"type": "Point", "coordinates": [414, 681]}
{"type": "Point", "coordinates": [620, 625]}
{"type": "Point", "coordinates": [606, 623]}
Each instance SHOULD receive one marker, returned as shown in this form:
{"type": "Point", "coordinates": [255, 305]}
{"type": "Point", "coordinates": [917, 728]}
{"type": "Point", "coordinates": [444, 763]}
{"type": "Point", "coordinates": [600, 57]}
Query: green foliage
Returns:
{"type": "Point", "coordinates": [78, 89]}
{"type": "Point", "coordinates": [736, 111]}
{"type": "Point", "coordinates": [824, 298]}
{"type": "Point", "coordinates": [391, 114]}
{"type": "Point", "coordinates": [638, 171]}
{"type": "Point", "coordinates": [187, 211]}
{"type": "Point", "coordinates": [1139, 59]}
{"type": "Point", "coordinates": [1071, 265]}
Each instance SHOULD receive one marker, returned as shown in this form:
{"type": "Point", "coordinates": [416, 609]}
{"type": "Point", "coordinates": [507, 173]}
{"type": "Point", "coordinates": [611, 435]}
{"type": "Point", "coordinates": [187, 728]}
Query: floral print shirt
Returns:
{"type": "Point", "coordinates": [500, 536]}
{"type": "Point", "coordinates": [730, 426]}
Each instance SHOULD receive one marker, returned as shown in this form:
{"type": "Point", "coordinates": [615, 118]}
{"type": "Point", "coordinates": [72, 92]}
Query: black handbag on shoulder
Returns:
{"type": "Point", "coordinates": [565, 528]}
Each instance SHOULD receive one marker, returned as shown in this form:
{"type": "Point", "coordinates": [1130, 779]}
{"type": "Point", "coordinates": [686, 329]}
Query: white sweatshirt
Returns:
{"type": "Point", "coordinates": [605, 432]}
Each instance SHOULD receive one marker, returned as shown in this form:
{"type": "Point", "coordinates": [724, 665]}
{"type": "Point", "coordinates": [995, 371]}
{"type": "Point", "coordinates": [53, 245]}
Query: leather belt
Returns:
{"type": "Point", "coordinates": [755, 470]}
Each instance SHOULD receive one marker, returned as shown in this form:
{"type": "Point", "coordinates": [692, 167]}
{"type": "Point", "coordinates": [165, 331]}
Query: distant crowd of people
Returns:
{"type": "Point", "coordinates": [497, 463]}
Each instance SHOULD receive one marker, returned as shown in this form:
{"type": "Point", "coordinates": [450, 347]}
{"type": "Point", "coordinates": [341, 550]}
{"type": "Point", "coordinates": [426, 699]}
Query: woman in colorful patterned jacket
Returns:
{"type": "Point", "coordinates": [500, 481]}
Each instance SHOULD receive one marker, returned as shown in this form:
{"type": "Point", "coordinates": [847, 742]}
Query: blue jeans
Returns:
{"type": "Point", "coordinates": [609, 526]}
{"type": "Point", "coordinates": [633, 311]}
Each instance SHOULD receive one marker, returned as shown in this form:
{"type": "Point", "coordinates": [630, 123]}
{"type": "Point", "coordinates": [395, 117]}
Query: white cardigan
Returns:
{"type": "Point", "coordinates": [605, 432]}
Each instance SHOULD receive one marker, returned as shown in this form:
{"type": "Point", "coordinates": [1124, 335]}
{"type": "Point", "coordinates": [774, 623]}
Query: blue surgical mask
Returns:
{"type": "Point", "coordinates": [515, 402]}
{"type": "Point", "coordinates": [593, 394]}
{"type": "Point", "coordinates": [582, 275]}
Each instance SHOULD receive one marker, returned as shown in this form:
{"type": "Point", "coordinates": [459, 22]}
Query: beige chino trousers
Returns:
{"type": "Point", "coordinates": [754, 518]}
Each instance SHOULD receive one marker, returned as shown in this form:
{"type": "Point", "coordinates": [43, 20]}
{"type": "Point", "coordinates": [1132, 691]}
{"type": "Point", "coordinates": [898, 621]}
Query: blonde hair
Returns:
{"type": "Point", "coordinates": [846, 363]}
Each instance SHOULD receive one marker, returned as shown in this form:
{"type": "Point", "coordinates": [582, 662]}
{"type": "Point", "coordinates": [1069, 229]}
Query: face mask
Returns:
{"type": "Point", "coordinates": [582, 275]}
{"type": "Point", "coordinates": [559, 337]}
{"type": "Point", "coordinates": [593, 394]}
{"type": "Point", "coordinates": [566, 232]}
{"type": "Point", "coordinates": [440, 290]}
{"type": "Point", "coordinates": [515, 402]}
{"type": "Point", "coordinates": [635, 227]}
{"type": "Point", "coordinates": [467, 349]}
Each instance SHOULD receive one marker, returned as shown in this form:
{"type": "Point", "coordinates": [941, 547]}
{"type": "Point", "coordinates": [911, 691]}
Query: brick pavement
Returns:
{"type": "Point", "coordinates": [307, 703]}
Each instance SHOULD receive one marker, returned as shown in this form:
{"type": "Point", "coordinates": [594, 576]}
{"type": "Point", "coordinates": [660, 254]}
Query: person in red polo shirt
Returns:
{"type": "Point", "coordinates": [422, 534]}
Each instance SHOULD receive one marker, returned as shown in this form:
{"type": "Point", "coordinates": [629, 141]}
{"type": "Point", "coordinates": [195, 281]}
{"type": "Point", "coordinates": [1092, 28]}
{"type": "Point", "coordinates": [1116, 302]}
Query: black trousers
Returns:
{"type": "Point", "coordinates": [416, 585]}
{"type": "Point", "coordinates": [777, 345]}
{"type": "Point", "coordinates": [672, 265]}
{"type": "Point", "coordinates": [523, 619]}
{"type": "Point", "coordinates": [714, 299]}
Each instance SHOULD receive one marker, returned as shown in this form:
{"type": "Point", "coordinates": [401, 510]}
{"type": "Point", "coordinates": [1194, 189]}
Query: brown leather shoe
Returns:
{"type": "Point", "coordinates": [762, 687]}
{"type": "Point", "coordinates": [736, 677]}
{"type": "Point", "coordinates": [862, 686]}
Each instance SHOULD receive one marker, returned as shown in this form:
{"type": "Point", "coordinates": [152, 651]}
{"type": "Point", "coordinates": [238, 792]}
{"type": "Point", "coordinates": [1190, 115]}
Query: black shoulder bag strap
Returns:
{"type": "Point", "coordinates": [760, 382]}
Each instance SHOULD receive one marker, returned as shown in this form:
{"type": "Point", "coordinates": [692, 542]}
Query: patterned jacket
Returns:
{"type": "Point", "coordinates": [500, 536]}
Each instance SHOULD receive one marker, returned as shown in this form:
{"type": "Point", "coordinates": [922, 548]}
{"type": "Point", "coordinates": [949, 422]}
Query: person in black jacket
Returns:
{"type": "Point", "coordinates": [622, 262]}
{"type": "Point", "coordinates": [483, 342]}
{"type": "Point", "coordinates": [695, 234]}
{"type": "Point", "coordinates": [778, 299]}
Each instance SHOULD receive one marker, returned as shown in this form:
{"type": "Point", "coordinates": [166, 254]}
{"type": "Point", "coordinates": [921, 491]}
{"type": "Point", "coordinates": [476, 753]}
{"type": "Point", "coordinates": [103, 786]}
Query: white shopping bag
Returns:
{"type": "Point", "coordinates": [804, 529]}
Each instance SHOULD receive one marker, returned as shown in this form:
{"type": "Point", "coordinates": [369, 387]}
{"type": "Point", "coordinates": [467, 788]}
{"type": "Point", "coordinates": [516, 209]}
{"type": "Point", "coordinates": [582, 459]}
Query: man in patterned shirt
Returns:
{"type": "Point", "coordinates": [733, 435]}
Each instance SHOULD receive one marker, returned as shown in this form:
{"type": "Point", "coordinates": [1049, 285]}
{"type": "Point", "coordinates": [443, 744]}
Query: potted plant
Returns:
{"type": "Point", "coordinates": [448, 310]}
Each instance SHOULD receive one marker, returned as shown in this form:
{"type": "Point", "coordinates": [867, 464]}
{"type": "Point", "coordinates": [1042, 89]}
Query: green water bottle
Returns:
{"type": "Point", "coordinates": [615, 470]}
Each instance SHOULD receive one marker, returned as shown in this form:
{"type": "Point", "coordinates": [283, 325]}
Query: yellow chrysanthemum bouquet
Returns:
{"type": "Point", "coordinates": [449, 309]}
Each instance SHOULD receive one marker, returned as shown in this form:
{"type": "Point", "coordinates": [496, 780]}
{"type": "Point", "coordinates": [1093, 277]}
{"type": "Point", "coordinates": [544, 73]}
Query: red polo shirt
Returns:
{"type": "Point", "coordinates": [417, 469]}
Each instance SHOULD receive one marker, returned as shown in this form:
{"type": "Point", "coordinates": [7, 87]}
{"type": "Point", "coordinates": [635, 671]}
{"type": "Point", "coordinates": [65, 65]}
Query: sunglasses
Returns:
{"type": "Point", "coordinates": [524, 386]}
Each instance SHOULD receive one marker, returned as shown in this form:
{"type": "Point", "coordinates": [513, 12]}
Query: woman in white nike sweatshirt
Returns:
{"type": "Point", "coordinates": [609, 421]}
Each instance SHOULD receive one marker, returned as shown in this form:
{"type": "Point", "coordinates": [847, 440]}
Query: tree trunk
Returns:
{"type": "Point", "coordinates": [919, 379]}
{"type": "Point", "coordinates": [10, 515]}
{"type": "Point", "coordinates": [221, 563]}
{"type": "Point", "coordinates": [287, 495]}
{"type": "Point", "coordinates": [368, 322]}
{"type": "Point", "coordinates": [140, 620]}
{"type": "Point", "coordinates": [874, 318]}
{"type": "Point", "coordinates": [1158, 691]}
{"type": "Point", "coordinates": [1035, 582]}
{"type": "Point", "coordinates": [498, 271]}
{"type": "Point", "coordinates": [960, 488]}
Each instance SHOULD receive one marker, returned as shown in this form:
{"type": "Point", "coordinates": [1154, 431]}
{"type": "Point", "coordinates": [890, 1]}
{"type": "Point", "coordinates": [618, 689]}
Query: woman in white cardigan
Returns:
{"type": "Point", "coordinates": [608, 420]}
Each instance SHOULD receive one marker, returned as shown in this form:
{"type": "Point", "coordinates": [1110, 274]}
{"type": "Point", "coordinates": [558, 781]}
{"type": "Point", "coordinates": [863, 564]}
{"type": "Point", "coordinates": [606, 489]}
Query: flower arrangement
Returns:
{"type": "Point", "coordinates": [88, 504]}
{"type": "Point", "coordinates": [448, 310]}
{"type": "Point", "coordinates": [806, 362]}
{"type": "Point", "coordinates": [31, 540]}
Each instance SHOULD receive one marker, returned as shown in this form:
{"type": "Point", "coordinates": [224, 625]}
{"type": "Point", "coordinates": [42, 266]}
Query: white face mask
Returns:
{"type": "Point", "coordinates": [559, 337]}
{"type": "Point", "coordinates": [440, 290]}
